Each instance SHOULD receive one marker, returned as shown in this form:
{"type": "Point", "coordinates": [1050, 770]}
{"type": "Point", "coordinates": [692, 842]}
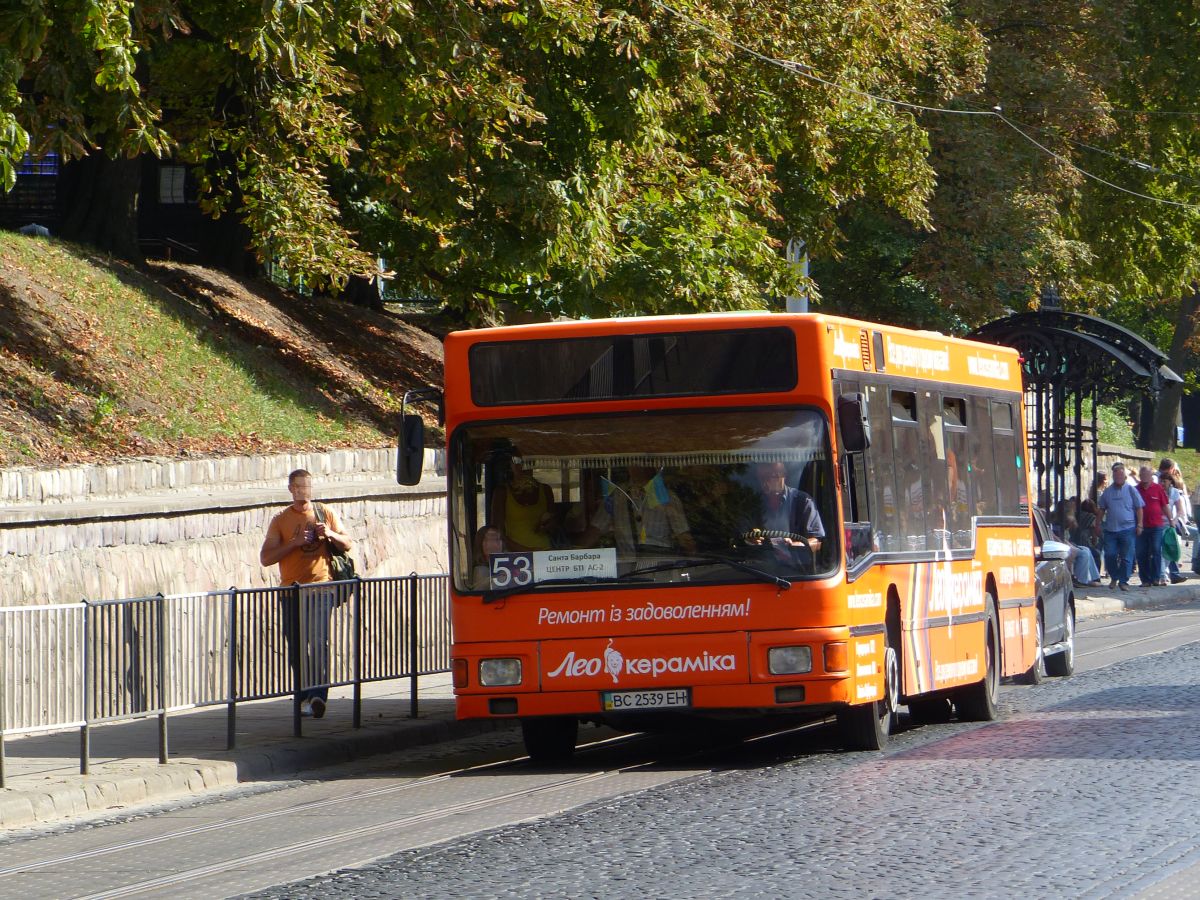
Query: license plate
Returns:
{"type": "Point", "coordinates": [628, 701]}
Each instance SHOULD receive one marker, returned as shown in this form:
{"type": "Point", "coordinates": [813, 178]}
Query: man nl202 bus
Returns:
{"type": "Point", "coordinates": [732, 514]}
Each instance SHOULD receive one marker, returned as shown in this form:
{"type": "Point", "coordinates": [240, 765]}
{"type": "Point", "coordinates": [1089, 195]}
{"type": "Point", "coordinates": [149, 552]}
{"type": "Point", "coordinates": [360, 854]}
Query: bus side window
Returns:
{"type": "Point", "coordinates": [906, 434]}
{"type": "Point", "coordinates": [1009, 470]}
{"type": "Point", "coordinates": [881, 472]}
{"type": "Point", "coordinates": [933, 470]}
{"type": "Point", "coordinates": [982, 469]}
{"type": "Point", "coordinates": [955, 422]}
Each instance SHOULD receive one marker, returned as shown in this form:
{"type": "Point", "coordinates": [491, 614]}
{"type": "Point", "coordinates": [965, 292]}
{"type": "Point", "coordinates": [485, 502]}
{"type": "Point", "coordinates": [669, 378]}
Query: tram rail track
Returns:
{"type": "Point", "coordinates": [1141, 622]}
{"type": "Point", "coordinates": [352, 834]}
{"type": "Point", "coordinates": [655, 755]}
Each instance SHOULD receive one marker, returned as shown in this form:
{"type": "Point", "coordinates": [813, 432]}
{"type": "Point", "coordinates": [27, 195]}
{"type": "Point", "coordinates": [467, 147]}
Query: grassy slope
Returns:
{"type": "Point", "coordinates": [101, 360]}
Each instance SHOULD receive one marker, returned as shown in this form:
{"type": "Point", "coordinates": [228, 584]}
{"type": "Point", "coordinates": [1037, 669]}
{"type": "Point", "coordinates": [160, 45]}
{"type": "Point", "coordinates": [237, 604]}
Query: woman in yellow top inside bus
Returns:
{"type": "Point", "coordinates": [523, 509]}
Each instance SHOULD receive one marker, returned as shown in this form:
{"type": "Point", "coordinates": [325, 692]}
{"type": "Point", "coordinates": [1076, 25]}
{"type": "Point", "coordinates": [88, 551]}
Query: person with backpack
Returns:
{"type": "Point", "coordinates": [1121, 522]}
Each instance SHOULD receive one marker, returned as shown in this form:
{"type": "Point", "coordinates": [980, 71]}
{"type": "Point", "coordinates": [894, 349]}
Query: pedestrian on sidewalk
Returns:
{"type": "Point", "coordinates": [1121, 521]}
{"type": "Point", "coordinates": [1084, 570]}
{"type": "Point", "coordinates": [300, 541]}
{"type": "Point", "coordinates": [1171, 479]}
{"type": "Point", "coordinates": [1156, 514]}
{"type": "Point", "coordinates": [1087, 530]}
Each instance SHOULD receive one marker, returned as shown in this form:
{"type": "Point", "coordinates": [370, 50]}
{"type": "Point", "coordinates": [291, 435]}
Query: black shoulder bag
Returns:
{"type": "Point", "coordinates": [341, 563]}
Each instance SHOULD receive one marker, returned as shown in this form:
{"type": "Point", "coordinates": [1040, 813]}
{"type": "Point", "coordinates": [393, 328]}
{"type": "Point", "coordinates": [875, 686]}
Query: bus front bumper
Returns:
{"type": "Point", "coordinates": [701, 699]}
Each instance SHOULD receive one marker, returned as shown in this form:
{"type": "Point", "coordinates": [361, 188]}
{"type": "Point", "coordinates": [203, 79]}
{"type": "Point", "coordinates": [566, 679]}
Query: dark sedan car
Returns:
{"type": "Point", "coordinates": [1055, 603]}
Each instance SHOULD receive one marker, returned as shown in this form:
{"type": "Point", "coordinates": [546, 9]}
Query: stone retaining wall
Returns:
{"type": "Point", "coordinates": [204, 534]}
{"type": "Point", "coordinates": [77, 484]}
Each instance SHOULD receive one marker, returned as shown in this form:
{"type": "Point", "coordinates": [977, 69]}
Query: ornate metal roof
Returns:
{"type": "Point", "coordinates": [1078, 352]}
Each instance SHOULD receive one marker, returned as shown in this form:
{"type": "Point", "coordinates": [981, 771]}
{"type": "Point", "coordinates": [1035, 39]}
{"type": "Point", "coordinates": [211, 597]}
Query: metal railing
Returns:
{"type": "Point", "coordinates": [79, 665]}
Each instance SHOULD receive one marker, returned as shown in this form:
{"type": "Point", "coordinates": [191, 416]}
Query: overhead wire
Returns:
{"type": "Point", "coordinates": [1128, 160]}
{"type": "Point", "coordinates": [1085, 173]}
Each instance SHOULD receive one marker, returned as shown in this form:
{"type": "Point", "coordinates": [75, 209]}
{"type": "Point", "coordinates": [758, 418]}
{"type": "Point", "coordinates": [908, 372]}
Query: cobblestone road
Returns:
{"type": "Point", "coordinates": [1089, 787]}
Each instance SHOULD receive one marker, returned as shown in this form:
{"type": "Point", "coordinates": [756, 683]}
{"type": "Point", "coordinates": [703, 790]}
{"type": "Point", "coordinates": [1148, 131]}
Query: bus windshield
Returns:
{"type": "Point", "coordinates": [709, 497]}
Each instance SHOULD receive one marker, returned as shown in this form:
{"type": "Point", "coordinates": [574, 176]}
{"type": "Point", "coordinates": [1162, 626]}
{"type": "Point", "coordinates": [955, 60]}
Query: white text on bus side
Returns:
{"type": "Point", "coordinates": [1004, 547]}
{"type": "Point", "coordinates": [954, 590]}
{"type": "Point", "coordinates": [1014, 575]}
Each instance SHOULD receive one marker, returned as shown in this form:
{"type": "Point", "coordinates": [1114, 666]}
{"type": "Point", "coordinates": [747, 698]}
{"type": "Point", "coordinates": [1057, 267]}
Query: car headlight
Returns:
{"type": "Point", "coordinates": [499, 672]}
{"type": "Point", "coordinates": [789, 660]}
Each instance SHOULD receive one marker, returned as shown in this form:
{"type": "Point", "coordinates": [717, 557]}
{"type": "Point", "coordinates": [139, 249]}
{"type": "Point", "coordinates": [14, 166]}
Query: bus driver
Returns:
{"type": "Point", "coordinates": [790, 521]}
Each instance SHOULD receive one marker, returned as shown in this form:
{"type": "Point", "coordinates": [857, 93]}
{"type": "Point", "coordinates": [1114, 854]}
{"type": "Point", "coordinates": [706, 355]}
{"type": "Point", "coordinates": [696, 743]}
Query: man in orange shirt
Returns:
{"type": "Point", "coordinates": [300, 543]}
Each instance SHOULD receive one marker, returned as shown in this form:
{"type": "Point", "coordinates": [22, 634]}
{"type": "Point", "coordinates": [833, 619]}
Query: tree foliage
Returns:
{"type": "Point", "coordinates": [557, 155]}
{"type": "Point", "coordinates": [251, 94]}
{"type": "Point", "coordinates": [569, 156]}
{"type": "Point", "coordinates": [1105, 208]}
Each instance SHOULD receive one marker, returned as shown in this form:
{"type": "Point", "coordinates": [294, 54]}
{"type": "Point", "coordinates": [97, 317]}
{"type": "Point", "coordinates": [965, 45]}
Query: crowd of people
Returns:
{"type": "Point", "coordinates": [1126, 526]}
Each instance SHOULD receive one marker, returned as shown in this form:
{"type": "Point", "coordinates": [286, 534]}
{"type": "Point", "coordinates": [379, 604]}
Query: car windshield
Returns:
{"type": "Point", "coordinates": [703, 497]}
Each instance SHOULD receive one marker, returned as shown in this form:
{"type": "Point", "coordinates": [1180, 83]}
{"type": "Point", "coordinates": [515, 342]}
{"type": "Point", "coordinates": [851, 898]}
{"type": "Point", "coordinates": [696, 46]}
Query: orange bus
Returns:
{"type": "Point", "coordinates": [730, 513]}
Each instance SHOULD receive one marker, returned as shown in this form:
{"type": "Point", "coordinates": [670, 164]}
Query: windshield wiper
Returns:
{"type": "Point", "coordinates": [501, 593]}
{"type": "Point", "coordinates": [707, 560]}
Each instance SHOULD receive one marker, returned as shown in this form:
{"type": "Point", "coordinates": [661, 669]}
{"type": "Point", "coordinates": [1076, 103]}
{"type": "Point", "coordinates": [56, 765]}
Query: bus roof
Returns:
{"type": "Point", "coordinates": [690, 322]}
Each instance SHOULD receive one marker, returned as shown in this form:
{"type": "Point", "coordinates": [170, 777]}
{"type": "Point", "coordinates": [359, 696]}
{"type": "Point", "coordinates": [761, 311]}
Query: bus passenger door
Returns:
{"type": "Point", "coordinates": [852, 473]}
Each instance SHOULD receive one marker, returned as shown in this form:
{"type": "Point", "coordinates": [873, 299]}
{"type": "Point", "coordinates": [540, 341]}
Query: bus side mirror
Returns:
{"type": "Point", "coordinates": [410, 449]}
{"type": "Point", "coordinates": [410, 452]}
{"type": "Point", "coordinates": [853, 424]}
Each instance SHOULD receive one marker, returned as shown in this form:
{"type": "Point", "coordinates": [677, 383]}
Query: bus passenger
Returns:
{"type": "Point", "coordinates": [789, 519]}
{"type": "Point", "coordinates": [524, 509]}
{"type": "Point", "coordinates": [489, 540]}
{"type": "Point", "coordinates": [642, 517]}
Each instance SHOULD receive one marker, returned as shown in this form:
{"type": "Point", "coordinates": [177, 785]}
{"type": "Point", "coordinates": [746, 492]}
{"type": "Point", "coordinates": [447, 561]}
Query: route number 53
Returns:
{"type": "Point", "coordinates": [511, 570]}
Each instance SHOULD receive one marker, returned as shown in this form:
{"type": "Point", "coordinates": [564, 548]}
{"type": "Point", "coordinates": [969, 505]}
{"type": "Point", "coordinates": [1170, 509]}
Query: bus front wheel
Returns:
{"type": "Point", "coordinates": [867, 726]}
{"type": "Point", "coordinates": [550, 739]}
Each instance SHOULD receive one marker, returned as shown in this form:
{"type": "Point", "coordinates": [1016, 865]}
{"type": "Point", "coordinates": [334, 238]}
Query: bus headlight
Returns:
{"type": "Point", "coordinates": [789, 660]}
{"type": "Point", "coordinates": [499, 672]}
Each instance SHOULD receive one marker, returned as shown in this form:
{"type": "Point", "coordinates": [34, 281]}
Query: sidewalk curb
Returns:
{"type": "Point", "coordinates": [1091, 607]}
{"type": "Point", "coordinates": [24, 808]}
{"type": "Point", "coordinates": [1136, 597]}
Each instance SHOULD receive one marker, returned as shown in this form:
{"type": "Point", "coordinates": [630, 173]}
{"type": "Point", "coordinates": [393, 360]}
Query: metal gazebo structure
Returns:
{"type": "Point", "coordinates": [1070, 358]}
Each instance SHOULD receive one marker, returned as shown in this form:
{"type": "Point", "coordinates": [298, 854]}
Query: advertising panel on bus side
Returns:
{"type": "Point", "coordinates": [923, 355]}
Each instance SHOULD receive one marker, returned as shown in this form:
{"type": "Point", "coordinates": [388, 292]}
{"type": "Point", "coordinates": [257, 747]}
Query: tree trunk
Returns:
{"type": "Point", "coordinates": [1161, 432]}
{"type": "Point", "coordinates": [225, 244]}
{"type": "Point", "coordinates": [102, 204]}
{"type": "Point", "coordinates": [366, 292]}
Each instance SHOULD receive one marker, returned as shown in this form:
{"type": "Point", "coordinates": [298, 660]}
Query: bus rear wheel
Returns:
{"type": "Point", "coordinates": [867, 726]}
{"type": "Point", "coordinates": [550, 739]}
{"type": "Point", "coordinates": [978, 702]}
